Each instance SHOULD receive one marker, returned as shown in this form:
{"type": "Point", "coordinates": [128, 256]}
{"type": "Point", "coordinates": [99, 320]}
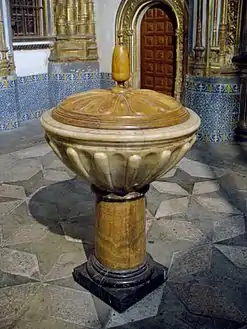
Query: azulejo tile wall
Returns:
{"type": "Point", "coordinates": [106, 81]}
{"type": "Point", "coordinates": [8, 103]}
{"type": "Point", "coordinates": [67, 79]}
{"type": "Point", "coordinates": [217, 102]}
{"type": "Point", "coordinates": [26, 98]}
{"type": "Point", "coordinates": [32, 96]}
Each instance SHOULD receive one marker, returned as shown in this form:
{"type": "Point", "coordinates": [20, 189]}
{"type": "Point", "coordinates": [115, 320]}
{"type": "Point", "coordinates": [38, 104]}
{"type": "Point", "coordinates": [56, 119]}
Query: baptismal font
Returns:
{"type": "Point", "coordinates": [120, 140]}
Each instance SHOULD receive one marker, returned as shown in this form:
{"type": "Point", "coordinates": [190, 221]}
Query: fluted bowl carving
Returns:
{"type": "Point", "coordinates": [120, 161]}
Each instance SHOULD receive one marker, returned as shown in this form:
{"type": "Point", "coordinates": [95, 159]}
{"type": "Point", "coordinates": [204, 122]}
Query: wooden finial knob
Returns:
{"type": "Point", "coordinates": [120, 63]}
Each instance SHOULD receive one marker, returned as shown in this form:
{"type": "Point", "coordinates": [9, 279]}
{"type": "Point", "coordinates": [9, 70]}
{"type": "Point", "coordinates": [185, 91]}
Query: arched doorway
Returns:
{"type": "Point", "coordinates": [158, 49]}
{"type": "Point", "coordinates": [128, 24]}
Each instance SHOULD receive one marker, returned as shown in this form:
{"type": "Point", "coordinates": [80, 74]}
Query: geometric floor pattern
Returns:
{"type": "Point", "coordinates": [196, 226]}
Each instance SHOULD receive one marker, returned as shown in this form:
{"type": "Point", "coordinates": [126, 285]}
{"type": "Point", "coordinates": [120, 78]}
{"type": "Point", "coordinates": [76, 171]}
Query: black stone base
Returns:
{"type": "Point", "coordinates": [241, 135]}
{"type": "Point", "coordinates": [121, 298]}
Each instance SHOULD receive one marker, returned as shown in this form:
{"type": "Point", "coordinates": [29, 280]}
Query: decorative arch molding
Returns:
{"type": "Point", "coordinates": [128, 18]}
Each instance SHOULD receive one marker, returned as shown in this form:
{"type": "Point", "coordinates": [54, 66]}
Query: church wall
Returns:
{"type": "Point", "coordinates": [105, 14]}
{"type": "Point", "coordinates": [31, 62]}
{"type": "Point", "coordinates": [32, 81]}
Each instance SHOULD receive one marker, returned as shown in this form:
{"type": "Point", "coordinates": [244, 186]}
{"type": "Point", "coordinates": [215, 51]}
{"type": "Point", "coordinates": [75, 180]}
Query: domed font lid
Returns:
{"type": "Point", "coordinates": [120, 107]}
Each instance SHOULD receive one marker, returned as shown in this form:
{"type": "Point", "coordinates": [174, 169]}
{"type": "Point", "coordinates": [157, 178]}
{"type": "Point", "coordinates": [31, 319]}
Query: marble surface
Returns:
{"type": "Point", "coordinates": [135, 158]}
{"type": "Point", "coordinates": [196, 225]}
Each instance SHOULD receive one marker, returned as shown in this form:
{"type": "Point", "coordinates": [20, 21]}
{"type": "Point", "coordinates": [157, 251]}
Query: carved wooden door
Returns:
{"type": "Point", "coordinates": [158, 50]}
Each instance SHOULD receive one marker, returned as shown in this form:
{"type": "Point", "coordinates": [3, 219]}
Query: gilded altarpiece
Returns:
{"type": "Point", "coordinates": [212, 87]}
{"type": "Point", "coordinates": [221, 31]}
{"type": "Point", "coordinates": [75, 32]}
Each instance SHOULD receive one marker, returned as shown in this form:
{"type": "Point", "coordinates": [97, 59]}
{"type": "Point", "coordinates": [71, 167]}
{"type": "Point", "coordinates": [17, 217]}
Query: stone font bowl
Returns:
{"type": "Point", "coordinates": [120, 161]}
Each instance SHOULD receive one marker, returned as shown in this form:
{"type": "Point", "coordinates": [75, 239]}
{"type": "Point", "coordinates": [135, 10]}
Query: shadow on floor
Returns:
{"type": "Point", "coordinates": [66, 208]}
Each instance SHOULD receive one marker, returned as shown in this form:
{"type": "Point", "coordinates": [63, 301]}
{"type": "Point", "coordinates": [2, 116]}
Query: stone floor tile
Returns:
{"type": "Point", "coordinates": [228, 227]}
{"type": "Point", "coordinates": [48, 252]}
{"type": "Point", "coordinates": [172, 207]}
{"type": "Point", "coordinates": [17, 170]}
{"type": "Point", "coordinates": [21, 214]}
{"type": "Point", "coordinates": [16, 221]}
{"type": "Point", "coordinates": [173, 229]}
{"type": "Point", "coordinates": [169, 188]}
{"type": "Point", "coordinates": [236, 180]}
{"type": "Point", "coordinates": [49, 323]}
{"type": "Point", "coordinates": [184, 263]}
{"type": "Point", "coordinates": [205, 187]}
{"type": "Point", "coordinates": [73, 306]}
{"type": "Point", "coordinates": [170, 305]}
{"type": "Point", "coordinates": [162, 251]}
{"type": "Point", "coordinates": [103, 310]}
{"type": "Point", "coordinates": [1, 235]}
{"type": "Point", "coordinates": [219, 204]}
{"type": "Point", "coordinates": [19, 263]}
{"type": "Point", "coordinates": [56, 175]}
{"type": "Point", "coordinates": [207, 323]}
{"type": "Point", "coordinates": [198, 169]}
{"type": "Point", "coordinates": [8, 279]}
{"type": "Point", "coordinates": [169, 174]}
{"type": "Point", "coordinates": [53, 163]}
{"type": "Point", "coordinates": [214, 225]}
{"type": "Point", "coordinates": [12, 191]}
{"type": "Point", "coordinates": [40, 309]}
{"type": "Point", "coordinates": [65, 264]}
{"type": "Point", "coordinates": [67, 282]}
{"type": "Point", "coordinates": [32, 152]}
{"type": "Point", "coordinates": [62, 200]}
{"type": "Point", "coordinates": [34, 183]}
{"type": "Point", "coordinates": [239, 240]}
{"type": "Point", "coordinates": [145, 308]}
{"type": "Point", "coordinates": [13, 302]}
{"type": "Point", "coordinates": [172, 309]}
{"type": "Point", "coordinates": [223, 270]}
{"type": "Point", "coordinates": [185, 180]}
{"type": "Point", "coordinates": [203, 299]}
{"type": "Point", "coordinates": [25, 234]}
{"type": "Point", "coordinates": [237, 254]}
{"type": "Point", "coordinates": [149, 218]}
{"type": "Point", "coordinates": [8, 207]}
{"type": "Point", "coordinates": [154, 199]}
{"type": "Point", "coordinates": [156, 323]}
{"type": "Point", "coordinates": [79, 229]}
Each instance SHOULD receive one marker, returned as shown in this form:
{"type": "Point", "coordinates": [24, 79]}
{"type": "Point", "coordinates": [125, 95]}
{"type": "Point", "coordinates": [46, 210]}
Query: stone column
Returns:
{"type": "Point", "coordinates": [223, 33]}
{"type": "Point", "coordinates": [241, 63]}
{"type": "Point", "coordinates": [214, 58]}
{"type": "Point", "coordinates": [10, 111]}
{"type": "Point", "coordinates": [199, 49]}
{"type": "Point", "coordinates": [6, 58]}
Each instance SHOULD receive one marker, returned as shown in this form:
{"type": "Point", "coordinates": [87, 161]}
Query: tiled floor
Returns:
{"type": "Point", "coordinates": [196, 225]}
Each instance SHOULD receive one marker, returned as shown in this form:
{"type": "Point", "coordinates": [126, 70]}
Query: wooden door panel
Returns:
{"type": "Point", "coordinates": [158, 50]}
{"type": "Point", "coordinates": [148, 82]}
{"type": "Point", "coordinates": [149, 40]}
{"type": "Point", "coordinates": [149, 69]}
